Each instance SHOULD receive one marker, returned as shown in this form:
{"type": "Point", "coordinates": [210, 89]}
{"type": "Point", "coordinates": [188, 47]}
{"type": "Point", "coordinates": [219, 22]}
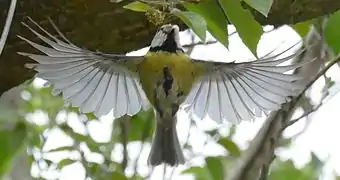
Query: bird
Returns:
{"type": "Point", "coordinates": [165, 79]}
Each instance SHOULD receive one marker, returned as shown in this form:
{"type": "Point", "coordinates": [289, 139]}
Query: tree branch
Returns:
{"type": "Point", "coordinates": [8, 23]}
{"type": "Point", "coordinates": [108, 27]}
{"type": "Point", "coordinates": [291, 122]}
{"type": "Point", "coordinates": [257, 158]}
{"type": "Point", "coordinates": [124, 138]}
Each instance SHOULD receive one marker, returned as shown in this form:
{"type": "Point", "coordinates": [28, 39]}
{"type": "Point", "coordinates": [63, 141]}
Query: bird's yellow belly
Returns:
{"type": "Point", "coordinates": [155, 81]}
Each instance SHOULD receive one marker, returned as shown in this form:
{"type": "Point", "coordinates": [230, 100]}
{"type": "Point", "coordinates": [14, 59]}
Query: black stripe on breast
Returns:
{"type": "Point", "coordinates": [168, 80]}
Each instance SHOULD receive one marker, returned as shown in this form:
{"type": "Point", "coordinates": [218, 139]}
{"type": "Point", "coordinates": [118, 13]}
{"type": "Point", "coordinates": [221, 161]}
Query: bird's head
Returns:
{"type": "Point", "coordinates": [166, 39]}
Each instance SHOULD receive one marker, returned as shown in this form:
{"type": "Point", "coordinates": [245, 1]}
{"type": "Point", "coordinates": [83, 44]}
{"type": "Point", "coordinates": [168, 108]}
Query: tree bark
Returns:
{"type": "Point", "coordinates": [105, 26]}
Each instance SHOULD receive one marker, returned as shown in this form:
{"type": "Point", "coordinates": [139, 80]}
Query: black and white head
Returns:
{"type": "Point", "coordinates": [166, 39]}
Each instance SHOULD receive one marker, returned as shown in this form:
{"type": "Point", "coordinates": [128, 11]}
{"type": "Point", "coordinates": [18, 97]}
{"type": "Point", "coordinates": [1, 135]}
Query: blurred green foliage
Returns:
{"type": "Point", "coordinates": [332, 34]}
{"type": "Point", "coordinates": [27, 134]}
{"type": "Point", "coordinates": [30, 135]}
{"type": "Point", "coordinates": [283, 170]}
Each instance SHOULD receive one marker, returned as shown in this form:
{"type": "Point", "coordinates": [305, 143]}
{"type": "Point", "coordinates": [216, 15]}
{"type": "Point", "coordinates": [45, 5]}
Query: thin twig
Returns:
{"type": "Point", "coordinates": [191, 48]}
{"type": "Point", "coordinates": [321, 73]}
{"type": "Point", "coordinates": [144, 135]}
{"type": "Point", "coordinates": [199, 43]}
{"type": "Point", "coordinates": [328, 97]}
{"type": "Point", "coordinates": [260, 152]}
{"type": "Point", "coordinates": [124, 135]}
{"type": "Point", "coordinates": [291, 122]}
{"type": "Point", "coordinates": [172, 172]}
{"type": "Point", "coordinates": [8, 23]}
{"type": "Point", "coordinates": [188, 134]}
{"type": "Point", "coordinates": [164, 171]}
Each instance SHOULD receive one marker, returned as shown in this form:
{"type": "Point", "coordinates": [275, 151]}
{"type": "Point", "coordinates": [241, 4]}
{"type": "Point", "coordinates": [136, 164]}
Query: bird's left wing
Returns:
{"type": "Point", "coordinates": [242, 91]}
{"type": "Point", "coordinates": [93, 81]}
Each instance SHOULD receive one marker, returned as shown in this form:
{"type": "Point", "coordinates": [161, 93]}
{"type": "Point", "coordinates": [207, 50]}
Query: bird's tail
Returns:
{"type": "Point", "coordinates": [165, 146]}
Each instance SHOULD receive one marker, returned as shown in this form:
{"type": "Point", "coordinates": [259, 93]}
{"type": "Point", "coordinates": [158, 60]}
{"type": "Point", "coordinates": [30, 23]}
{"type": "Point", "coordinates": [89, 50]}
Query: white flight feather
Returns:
{"type": "Point", "coordinates": [94, 82]}
{"type": "Point", "coordinates": [243, 91]}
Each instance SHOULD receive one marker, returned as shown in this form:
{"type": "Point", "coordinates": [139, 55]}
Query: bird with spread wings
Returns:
{"type": "Point", "coordinates": [166, 79]}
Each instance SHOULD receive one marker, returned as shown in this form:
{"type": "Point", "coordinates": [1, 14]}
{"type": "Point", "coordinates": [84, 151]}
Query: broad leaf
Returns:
{"type": "Point", "coordinates": [12, 142]}
{"type": "Point", "coordinates": [215, 167]}
{"type": "Point", "coordinates": [247, 27]}
{"type": "Point", "coordinates": [200, 173]}
{"type": "Point", "coordinates": [213, 15]}
{"type": "Point", "coordinates": [230, 146]}
{"type": "Point", "coordinates": [63, 148]}
{"type": "Point", "coordinates": [332, 34]}
{"type": "Point", "coordinates": [302, 28]}
{"type": "Point", "coordinates": [92, 145]}
{"type": "Point", "coordinates": [193, 21]}
{"type": "Point", "coordinates": [118, 176]}
{"type": "Point", "coordinates": [283, 170]}
{"type": "Point", "coordinates": [138, 6]}
{"type": "Point", "coordinates": [64, 163]}
{"type": "Point", "coordinates": [262, 6]}
{"type": "Point", "coordinates": [137, 127]}
{"type": "Point", "coordinates": [213, 170]}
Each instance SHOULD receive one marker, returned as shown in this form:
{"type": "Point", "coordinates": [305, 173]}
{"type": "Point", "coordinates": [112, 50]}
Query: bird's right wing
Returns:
{"type": "Point", "coordinates": [242, 91]}
{"type": "Point", "coordinates": [93, 81]}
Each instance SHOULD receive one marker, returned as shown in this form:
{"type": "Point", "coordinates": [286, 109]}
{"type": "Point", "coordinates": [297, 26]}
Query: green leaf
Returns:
{"type": "Point", "coordinates": [213, 15]}
{"type": "Point", "coordinates": [230, 146]}
{"type": "Point", "coordinates": [248, 29]}
{"type": "Point", "coordinates": [12, 142]}
{"type": "Point", "coordinates": [332, 34]}
{"type": "Point", "coordinates": [69, 131]}
{"type": "Point", "coordinates": [8, 114]}
{"type": "Point", "coordinates": [92, 145]}
{"type": "Point", "coordinates": [316, 163]}
{"type": "Point", "coordinates": [302, 28]}
{"type": "Point", "coordinates": [138, 126]}
{"type": "Point", "coordinates": [200, 173]}
{"type": "Point", "coordinates": [64, 148]}
{"type": "Point", "coordinates": [118, 176]}
{"type": "Point", "coordinates": [283, 170]}
{"type": "Point", "coordinates": [193, 21]}
{"type": "Point", "coordinates": [90, 115]}
{"type": "Point", "coordinates": [64, 163]}
{"type": "Point", "coordinates": [215, 167]}
{"type": "Point", "coordinates": [138, 177]}
{"type": "Point", "coordinates": [262, 6]}
{"type": "Point", "coordinates": [48, 162]}
{"type": "Point", "coordinates": [93, 169]}
{"type": "Point", "coordinates": [35, 139]}
{"type": "Point", "coordinates": [138, 6]}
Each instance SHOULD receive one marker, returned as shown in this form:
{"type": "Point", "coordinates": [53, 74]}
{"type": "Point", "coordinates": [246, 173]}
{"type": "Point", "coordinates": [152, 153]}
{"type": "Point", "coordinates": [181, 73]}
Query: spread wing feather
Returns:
{"type": "Point", "coordinates": [242, 91]}
{"type": "Point", "coordinates": [93, 81]}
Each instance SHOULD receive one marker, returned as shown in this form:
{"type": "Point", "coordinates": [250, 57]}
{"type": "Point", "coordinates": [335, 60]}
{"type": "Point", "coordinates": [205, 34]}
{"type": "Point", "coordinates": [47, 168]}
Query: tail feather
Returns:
{"type": "Point", "coordinates": [165, 146]}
